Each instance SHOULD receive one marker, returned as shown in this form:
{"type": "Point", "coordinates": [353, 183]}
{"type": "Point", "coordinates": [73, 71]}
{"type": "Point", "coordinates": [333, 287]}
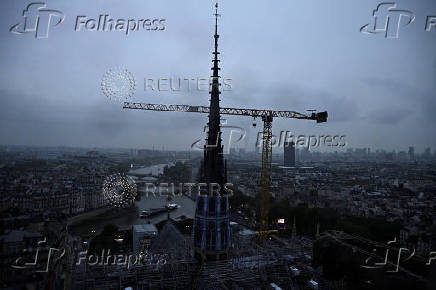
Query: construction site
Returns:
{"type": "Point", "coordinates": [251, 265]}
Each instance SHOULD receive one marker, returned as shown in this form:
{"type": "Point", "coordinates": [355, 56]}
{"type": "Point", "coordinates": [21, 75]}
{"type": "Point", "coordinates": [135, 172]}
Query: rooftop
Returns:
{"type": "Point", "coordinates": [144, 228]}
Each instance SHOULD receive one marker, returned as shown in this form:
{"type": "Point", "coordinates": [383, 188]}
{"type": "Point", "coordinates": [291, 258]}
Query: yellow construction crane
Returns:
{"type": "Point", "coordinates": [267, 118]}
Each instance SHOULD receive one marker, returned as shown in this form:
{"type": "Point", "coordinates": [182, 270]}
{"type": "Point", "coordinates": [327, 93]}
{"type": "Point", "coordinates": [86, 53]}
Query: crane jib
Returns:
{"type": "Point", "coordinates": [319, 117]}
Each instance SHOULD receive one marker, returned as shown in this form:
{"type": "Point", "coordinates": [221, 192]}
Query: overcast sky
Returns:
{"type": "Point", "coordinates": [282, 54]}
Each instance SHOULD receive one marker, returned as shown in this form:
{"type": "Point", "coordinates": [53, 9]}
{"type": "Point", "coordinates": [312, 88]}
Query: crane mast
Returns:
{"type": "Point", "coordinates": [265, 178]}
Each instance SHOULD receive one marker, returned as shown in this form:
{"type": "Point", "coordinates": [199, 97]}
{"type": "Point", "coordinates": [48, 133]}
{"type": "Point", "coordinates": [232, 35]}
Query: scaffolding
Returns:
{"type": "Point", "coordinates": [250, 265]}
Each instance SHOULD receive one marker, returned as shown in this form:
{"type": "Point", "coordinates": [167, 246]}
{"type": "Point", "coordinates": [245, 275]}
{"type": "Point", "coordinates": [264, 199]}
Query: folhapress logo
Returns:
{"type": "Point", "coordinates": [38, 20]}
{"type": "Point", "coordinates": [233, 139]}
{"type": "Point", "coordinates": [388, 20]}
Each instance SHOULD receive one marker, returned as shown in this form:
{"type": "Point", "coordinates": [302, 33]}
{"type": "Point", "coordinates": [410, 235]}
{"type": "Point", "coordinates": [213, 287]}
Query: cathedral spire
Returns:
{"type": "Point", "coordinates": [215, 79]}
{"type": "Point", "coordinates": [213, 161]}
{"type": "Point", "coordinates": [211, 229]}
{"type": "Point", "coordinates": [216, 36]}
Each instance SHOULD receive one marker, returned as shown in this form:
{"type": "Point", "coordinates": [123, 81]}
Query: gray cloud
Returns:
{"type": "Point", "coordinates": [295, 55]}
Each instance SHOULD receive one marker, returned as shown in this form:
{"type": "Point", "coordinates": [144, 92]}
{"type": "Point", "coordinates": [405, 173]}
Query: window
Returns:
{"type": "Point", "coordinates": [212, 206]}
{"type": "Point", "coordinates": [211, 235]}
{"type": "Point", "coordinates": [200, 206]}
{"type": "Point", "coordinates": [223, 234]}
{"type": "Point", "coordinates": [198, 233]}
{"type": "Point", "coordinates": [223, 205]}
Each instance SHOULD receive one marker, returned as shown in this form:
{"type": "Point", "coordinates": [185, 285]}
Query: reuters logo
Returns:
{"type": "Point", "coordinates": [118, 84]}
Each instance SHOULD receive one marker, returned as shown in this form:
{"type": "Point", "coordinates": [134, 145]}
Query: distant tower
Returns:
{"type": "Point", "coordinates": [289, 154]}
{"type": "Point", "coordinates": [211, 230]}
{"type": "Point", "coordinates": [427, 153]}
{"type": "Point", "coordinates": [411, 153]}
